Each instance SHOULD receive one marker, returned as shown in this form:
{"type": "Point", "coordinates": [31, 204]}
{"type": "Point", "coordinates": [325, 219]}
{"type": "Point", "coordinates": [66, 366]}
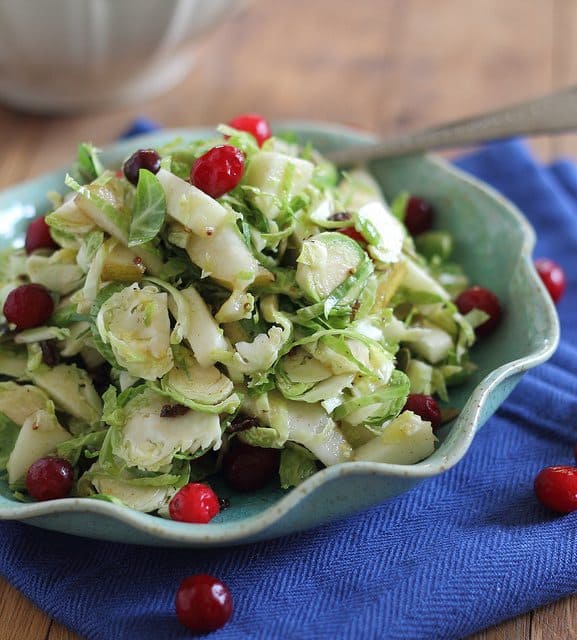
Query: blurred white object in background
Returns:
{"type": "Point", "coordinates": [69, 55]}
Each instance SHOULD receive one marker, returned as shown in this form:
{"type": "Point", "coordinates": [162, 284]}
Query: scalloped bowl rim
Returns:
{"type": "Point", "coordinates": [236, 531]}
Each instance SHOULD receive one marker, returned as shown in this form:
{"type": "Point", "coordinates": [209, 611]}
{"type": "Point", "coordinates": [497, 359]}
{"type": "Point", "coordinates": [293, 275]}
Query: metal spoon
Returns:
{"type": "Point", "coordinates": [553, 113]}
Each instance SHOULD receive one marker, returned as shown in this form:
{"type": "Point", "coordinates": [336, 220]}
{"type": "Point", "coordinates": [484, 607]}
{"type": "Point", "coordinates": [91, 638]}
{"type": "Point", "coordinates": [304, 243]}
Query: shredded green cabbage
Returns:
{"type": "Point", "coordinates": [296, 304]}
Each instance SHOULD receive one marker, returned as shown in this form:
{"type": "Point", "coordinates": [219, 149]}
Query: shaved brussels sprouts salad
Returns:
{"type": "Point", "coordinates": [216, 298]}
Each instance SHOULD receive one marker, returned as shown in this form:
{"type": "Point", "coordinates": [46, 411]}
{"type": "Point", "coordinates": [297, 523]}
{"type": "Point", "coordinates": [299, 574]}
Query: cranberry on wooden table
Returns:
{"type": "Point", "coordinates": [553, 277]}
{"type": "Point", "coordinates": [247, 468]}
{"type": "Point", "coordinates": [38, 236]}
{"type": "Point", "coordinates": [484, 300]}
{"type": "Point", "coordinates": [203, 603]}
{"type": "Point", "coordinates": [252, 123]}
{"type": "Point", "coordinates": [195, 502]}
{"type": "Point", "coordinates": [418, 215]}
{"type": "Point", "coordinates": [50, 478]}
{"type": "Point", "coordinates": [28, 306]}
{"type": "Point", "coordinates": [218, 171]}
{"type": "Point", "coordinates": [556, 488]}
{"type": "Point", "coordinates": [424, 406]}
{"type": "Point", "coordinates": [141, 159]}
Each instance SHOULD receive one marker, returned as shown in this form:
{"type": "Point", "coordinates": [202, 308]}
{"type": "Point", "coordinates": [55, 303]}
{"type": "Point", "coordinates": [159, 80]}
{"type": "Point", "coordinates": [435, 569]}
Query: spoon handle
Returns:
{"type": "Point", "coordinates": [553, 113]}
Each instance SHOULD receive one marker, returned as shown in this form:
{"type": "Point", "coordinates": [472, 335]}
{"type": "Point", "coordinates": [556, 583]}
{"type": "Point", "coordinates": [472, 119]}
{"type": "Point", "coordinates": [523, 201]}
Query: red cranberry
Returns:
{"type": "Point", "coordinates": [195, 502]}
{"type": "Point", "coordinates": [247, 468]}
{"type": "Point", "coordinates": [485, 300]}
{"type": "Point", "coordinates": [29, 305]}
{"type": "Point", "coordinates": [203, 603]}
{"type": "Point", "coordinates": [556, 488]}
{"type": "Point", "coordinates": [50, 479]}
{"type": "Point", "coordinates": [424, 406]}
{"type": "Point", "coordinates": [418, 216]}
{"type": "Point", "coordinates": [141, 159]}
{"type": "Point", "coordinates": [218, 171]}
{"type": "Point", "coordinates": [553, 277]}
{"type": "Point", "coordinates": [354, 234]}
{"type": "Point", "coordinates": [38, 236]}
{"type": "Point", "coordinates": [252, 123]}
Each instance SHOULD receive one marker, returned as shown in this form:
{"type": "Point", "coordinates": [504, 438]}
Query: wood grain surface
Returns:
{"type": "Point", "coordinates": [382, 65]}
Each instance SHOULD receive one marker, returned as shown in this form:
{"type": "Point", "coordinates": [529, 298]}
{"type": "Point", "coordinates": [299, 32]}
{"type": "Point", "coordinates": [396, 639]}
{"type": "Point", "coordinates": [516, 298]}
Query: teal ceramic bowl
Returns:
{"type": "Point", "coordinates": [494, 244]}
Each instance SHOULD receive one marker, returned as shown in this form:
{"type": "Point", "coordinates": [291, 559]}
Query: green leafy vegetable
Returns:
{"type": "Point", "coordinates": [149, 209]}
{"type": "Point", "coordinates": [88, 166]}
{"type": "Point", "coordinates": [292, 312]}
{"type": "Point", "coordinates": [9, 431]}
{"type": "Point", "coordinates": [296, 465]}
{"type": "Point", "coordinates": [399, 205]}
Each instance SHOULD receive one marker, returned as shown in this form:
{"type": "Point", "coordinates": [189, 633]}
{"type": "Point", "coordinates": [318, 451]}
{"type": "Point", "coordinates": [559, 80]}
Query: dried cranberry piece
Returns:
{"type": "Point", "coordinates": [242, 423]}
{"type": "Point", "coordinates": [173, 410]}
{"type": "Point", "coordinates": [247, 468]}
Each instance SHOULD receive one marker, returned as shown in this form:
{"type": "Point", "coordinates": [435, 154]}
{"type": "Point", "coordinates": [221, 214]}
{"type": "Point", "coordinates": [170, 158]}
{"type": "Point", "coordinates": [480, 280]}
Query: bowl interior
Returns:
{"type": "Point", "coordinates": [492, 241]}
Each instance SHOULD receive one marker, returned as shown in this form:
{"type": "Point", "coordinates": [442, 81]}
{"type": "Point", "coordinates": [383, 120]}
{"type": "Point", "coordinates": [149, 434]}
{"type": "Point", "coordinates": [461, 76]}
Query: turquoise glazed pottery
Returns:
{"type": "Point", "coordinates": [492, 241]}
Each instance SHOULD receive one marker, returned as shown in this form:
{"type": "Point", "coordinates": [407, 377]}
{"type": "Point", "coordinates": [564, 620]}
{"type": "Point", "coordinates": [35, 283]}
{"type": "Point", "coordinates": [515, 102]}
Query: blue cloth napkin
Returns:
{"type": "Point", "coordinates": [138, 127]}
{"type": "Point", "coordinates": [459, 553]}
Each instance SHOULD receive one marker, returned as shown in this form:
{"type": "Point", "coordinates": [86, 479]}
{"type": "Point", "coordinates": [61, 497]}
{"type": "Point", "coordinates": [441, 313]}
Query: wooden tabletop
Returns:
{"type": "Point", "coordinates": [383, 65]}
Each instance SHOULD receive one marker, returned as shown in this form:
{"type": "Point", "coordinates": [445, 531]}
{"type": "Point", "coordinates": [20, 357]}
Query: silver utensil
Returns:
{"type": "Point", "coordinates": [553, 113]}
